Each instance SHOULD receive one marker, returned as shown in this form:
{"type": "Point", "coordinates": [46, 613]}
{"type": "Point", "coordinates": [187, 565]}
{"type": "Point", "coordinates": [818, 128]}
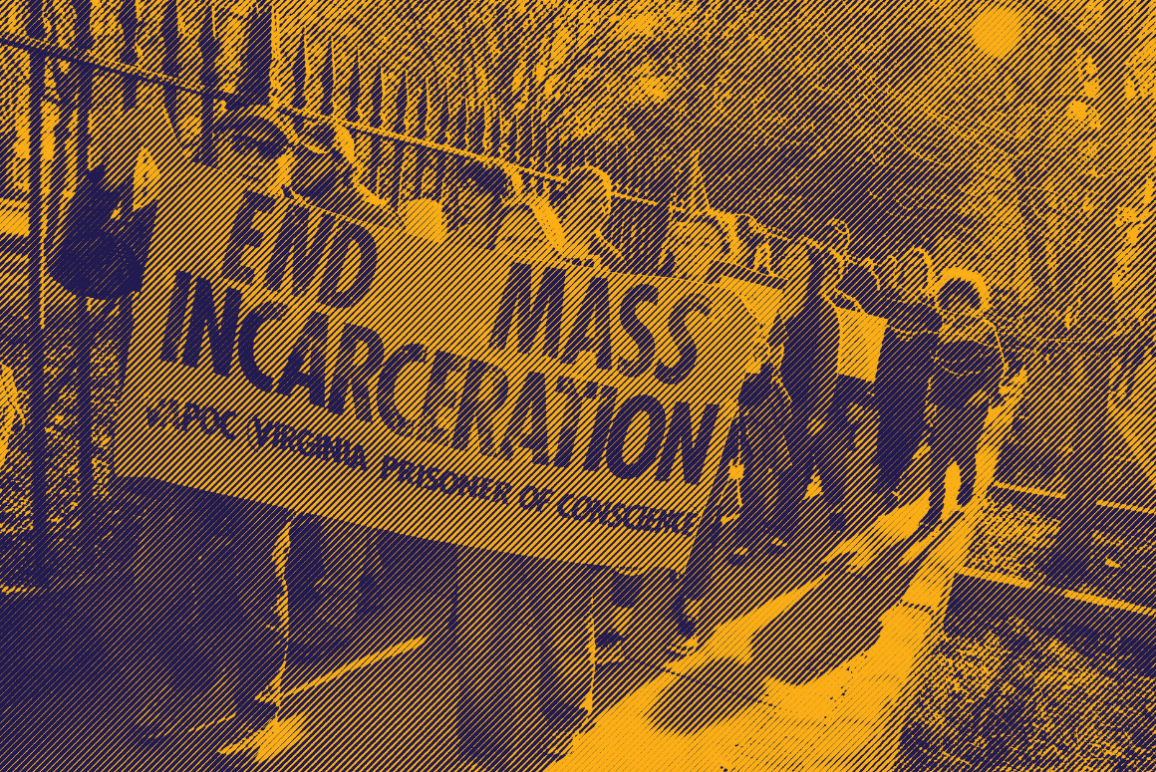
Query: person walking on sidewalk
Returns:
{"type": "Point", "coordinates": [526, 644]}
{"type": "Point", "coordinates": [765, 414]}
{"type": "Point", "coordinates": [905, 363]}
{"type": "Point", "coordinates": [810, 359]}
{"type": "Point", "coordinates": [247, 585]}
{"type": "Point", "coordinates": [969, 364]}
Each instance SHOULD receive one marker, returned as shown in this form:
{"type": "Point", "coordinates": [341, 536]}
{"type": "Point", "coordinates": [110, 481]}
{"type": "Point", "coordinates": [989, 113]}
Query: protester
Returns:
{"type": "Point", "coordinates": [809, 366]}
{"type": "Point", "coordinates": [905, 363]}
{"type": "Point", "coordinates": [327, 171]}
{"type": "Point", "coordinates": [968, 366]}
{"type": "Point", "coordinates": [762, 400]}
{"type": "Point", "coordinates": [583, 209]}
{"type": "Point", "coordinates": [701, 240]}
{"type": "Point", "coordinates": [763, 452]}
{"type": "Point", "coordinates": [552, 600]}
{"type": "Point", "coordinates": [754, 237]}
{"type": "Point", "coordinates": [255, 143]}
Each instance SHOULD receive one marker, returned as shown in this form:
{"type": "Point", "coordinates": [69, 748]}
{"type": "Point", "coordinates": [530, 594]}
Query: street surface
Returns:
{"type": "Point", "coordinates": [790, 628]}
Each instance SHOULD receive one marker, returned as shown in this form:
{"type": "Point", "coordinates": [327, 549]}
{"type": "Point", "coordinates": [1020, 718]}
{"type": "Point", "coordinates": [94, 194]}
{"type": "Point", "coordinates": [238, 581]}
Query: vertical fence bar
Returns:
{"type": "Point", "coordinates": [353, 114]}
{"type": "Point", "coordinates": [462, 139]}
{"type": "Point", "coordinates": [477, 135]}
{"type": "Point", "coordinates": [84, 425]}
{"type": "Point", "coordinates": [129, 19]}
{"type": "Point", "coordinates": [538, 128]}
{"type": "Point", "coordinates": [376, 101]}
{"type": "Point", "coordinates": [58, 168]}
{"type": "Point", "coordinates": [83, 355]}
{"type": "Point", "coordinates": [526, 132]}
{"type": "Point", "coordinates": [85, 73]}
{"type": "Point", "coordinates": [442, 137]}
{"type": "Point", "coordinates": [171, 62]}
{"type": "Point", "coordinates": [328, 78]}
{"type": "Point", "coordinates": [398, 147]}
{"type": "Point", "coordinates": [421, 131]}
{"type": "Point", "coordinates": [36, 408]}
{"type": "Point", "coordinates": [207, 43]}
{"type": "Point", "coordinates": [300, 80]}
{"type": "Point", "coordinates": [497, 141]}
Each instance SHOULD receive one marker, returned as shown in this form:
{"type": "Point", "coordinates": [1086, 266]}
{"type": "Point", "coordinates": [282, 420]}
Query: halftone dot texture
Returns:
{"type": "Point", "coordinates": [999, 139]}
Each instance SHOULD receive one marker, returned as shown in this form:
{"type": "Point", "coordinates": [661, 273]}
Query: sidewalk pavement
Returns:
{"type": "Point", "coordinates": [818, 678]}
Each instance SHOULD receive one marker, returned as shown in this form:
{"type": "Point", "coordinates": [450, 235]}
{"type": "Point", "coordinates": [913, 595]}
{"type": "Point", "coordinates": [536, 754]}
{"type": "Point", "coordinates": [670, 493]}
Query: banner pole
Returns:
{"type": "Point", "coordinates": [36, 408]}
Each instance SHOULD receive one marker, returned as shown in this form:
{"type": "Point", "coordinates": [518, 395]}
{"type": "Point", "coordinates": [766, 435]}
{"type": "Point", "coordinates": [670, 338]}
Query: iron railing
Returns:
{"type": "Point", "coordinates": [417, 137]}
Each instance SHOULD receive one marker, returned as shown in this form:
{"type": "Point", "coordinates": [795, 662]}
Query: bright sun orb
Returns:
{"type": "Point", "coordinates": [996, 31]}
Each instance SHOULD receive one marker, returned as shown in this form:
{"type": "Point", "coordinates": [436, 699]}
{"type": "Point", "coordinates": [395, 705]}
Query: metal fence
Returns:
{"type": "Point", "coordinates": [415, 142]}
{"type": "Point", "coordinates": [416, 137]}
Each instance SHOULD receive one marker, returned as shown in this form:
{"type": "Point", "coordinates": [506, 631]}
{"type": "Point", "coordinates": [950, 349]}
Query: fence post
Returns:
{"type": "Point", "coordinates": [327, 81]}
{"type": "Point", "coordinates": [377, 102]}
{"type": "Point", "coordinates": [443, 137]}
{"type": "Point", "coordinates": [83, 354]}
{"type": "Point", "coordinates": [129, 19]}
{"type": "Point", "coordinates": [300, 79]}
{"type": "Point", "coordinates": [353, 114]}
{"type": "Point", "coordinates": [207, 43]}
{"type": "Point", "coordinates": [421, 131]}
{"type": "Point", "coordinates": [497, 141]}
{"type": "Point", "coordinates": [83, 42]}
{"type": "Point", "coordinates": [398, 147]}
{"type": "Point", "coordinates": [36, 408]}
{"type": "Point", "coordinates": [462, 139]}
{"type": "Point", "coordinates": [171, 62]}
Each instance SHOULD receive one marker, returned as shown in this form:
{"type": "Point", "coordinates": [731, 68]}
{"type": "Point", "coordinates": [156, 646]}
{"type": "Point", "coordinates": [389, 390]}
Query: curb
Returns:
{"type": "Point", "coordinates": [979, 597]}
{"type": "Point", "coordinates": [937, 577]}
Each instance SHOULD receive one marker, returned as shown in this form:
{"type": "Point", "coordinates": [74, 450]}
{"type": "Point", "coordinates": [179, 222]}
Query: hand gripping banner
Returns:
{"type": "Point", "coordinates": [295, 357]}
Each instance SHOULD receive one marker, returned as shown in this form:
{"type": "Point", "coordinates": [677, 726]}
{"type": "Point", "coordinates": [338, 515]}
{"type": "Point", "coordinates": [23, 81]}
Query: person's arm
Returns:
{"type": "Point", "coordinates": [996, 373]}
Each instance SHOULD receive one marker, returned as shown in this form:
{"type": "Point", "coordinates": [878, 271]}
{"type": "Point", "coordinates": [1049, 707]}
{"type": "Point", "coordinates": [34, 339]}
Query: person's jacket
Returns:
{"type": "Point", "coordinates": [766, 418]}
{"type": "Point", "coordinates": [965, 362]}
{"type": "Point", "coordinates": [905, 360]}
{"type": "Point", "coordinates": [810, 359]}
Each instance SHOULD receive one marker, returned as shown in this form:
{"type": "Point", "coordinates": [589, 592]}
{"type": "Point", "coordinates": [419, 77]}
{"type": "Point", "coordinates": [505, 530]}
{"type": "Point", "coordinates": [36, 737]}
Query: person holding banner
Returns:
{"type": "Point", "coordinates": [905, 363]}
{"type": "Point", "coordinates": [969, 364]}
{"type": "Point", "coordinates": [327, 171]}
{"type": "Point", "coordinates": [255, 142]}
{"type": "Point", "coordinates": [763, 451]}
{"type": "Point", "coordinates": [810, 361]}
{"type": "Point", "coordinates": [525, 636]}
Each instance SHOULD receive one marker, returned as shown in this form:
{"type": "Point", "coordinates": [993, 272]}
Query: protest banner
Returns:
{"type": "Point", "coordinates": [294, 357]}
{"type": "Point", "coordinates": [860, 343]}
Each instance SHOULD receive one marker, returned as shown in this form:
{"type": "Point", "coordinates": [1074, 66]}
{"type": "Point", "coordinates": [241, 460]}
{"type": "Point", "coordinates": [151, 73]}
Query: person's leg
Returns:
{"type": "Point", "coordinates": [759, 488]}
{"type": "Point", "coordinates": [900, 433]}
{"type": "Point", "coordinates": [497, 657]}
{"type": "Point", "coordinates": [941, 453]}
{"type": "Point", "coordinates": [970, 425]}
{"type": "Point", "coordinates": [624, 591]}
{"type": "Point", "coordinates": [888, 453]}
{"type": "Point", "coordinates": [562, 599]}
{"type": "Point", "coordinates": [700, 564]}
{"type": "Point", "coordinates": [793, 485]}
{"type": "Point", "coordinates": [259, 629]}
{"type": "Point", "coordinates": [260, 666]}
{"type": "Point", "coordinates": [695, 582]}
{"type": "Point", "coordinates": [169, 640]}
{"type": "Point", "coordinates": [836, 446]}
